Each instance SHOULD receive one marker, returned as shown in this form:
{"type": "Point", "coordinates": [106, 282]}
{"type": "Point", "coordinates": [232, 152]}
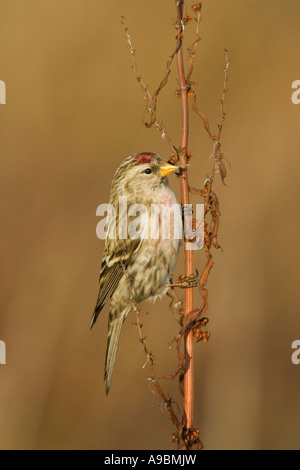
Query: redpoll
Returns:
{"type": "Point", "coordinates": [149, 263]}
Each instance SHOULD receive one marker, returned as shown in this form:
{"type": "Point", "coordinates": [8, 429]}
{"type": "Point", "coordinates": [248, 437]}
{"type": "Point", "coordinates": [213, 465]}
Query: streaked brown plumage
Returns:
{"type": "Point", "coordinates": [149, 263]}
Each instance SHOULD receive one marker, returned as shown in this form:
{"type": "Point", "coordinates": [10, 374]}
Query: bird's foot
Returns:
{"type": "Point", "coordinates": [186, 282]}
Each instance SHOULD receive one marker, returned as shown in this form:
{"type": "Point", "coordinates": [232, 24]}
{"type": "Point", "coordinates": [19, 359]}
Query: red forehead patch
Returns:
{"type": "Point", "coordinates": [145, 157]}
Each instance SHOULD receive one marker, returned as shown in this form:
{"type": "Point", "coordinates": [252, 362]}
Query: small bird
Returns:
{"type": "Point", "coordinates": [148, 263]}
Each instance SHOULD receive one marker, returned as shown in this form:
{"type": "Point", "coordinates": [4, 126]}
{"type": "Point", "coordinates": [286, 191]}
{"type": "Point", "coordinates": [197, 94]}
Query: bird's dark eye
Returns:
{"type": "Point", "coordinates": [148, 171]}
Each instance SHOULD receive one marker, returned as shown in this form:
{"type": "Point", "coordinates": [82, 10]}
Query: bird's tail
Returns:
{"type": "Point", "coordinates": [114, 331]}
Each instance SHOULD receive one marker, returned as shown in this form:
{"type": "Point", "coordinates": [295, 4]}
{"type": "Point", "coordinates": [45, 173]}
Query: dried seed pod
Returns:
{"type": "Point", "coordinates": [191, 437]}
{"type": "Point", "coordinates": [206, 337]}
{"type": "Point", "coordinates": [186, 19]}
{"type": "Point", "coordinates": [197, 7]}
{"type": "Point", "coordinates": [191, 94]}
{"type": "Point", "coordinates": [198, 335]}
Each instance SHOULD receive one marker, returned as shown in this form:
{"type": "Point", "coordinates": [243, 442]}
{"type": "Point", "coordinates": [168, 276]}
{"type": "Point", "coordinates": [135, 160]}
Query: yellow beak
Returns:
{"type": "Point", "coordinates": [166, 168]}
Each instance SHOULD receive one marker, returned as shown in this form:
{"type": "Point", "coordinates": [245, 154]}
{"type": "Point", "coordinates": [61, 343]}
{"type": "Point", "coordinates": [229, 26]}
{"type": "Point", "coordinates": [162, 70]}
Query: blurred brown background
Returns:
{"type": "Point", "coordinates": [73, 113]}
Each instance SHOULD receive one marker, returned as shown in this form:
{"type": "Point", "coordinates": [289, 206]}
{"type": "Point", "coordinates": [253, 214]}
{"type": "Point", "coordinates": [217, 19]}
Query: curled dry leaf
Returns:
{"type": "Point", "coordinates": [223, 172]}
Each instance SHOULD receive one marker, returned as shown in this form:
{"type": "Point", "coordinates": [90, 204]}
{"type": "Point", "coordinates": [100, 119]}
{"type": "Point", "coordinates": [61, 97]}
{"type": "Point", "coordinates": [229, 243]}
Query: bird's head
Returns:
{"type": "Point", "coordinates": [142, 172]}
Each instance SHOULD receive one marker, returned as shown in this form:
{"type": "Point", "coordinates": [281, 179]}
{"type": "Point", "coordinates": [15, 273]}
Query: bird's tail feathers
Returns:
{"type": "Point", "coordinates": [115, 327]}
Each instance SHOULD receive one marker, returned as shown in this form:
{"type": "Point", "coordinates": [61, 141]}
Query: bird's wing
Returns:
{"type": "Point", "coordinates": [116, 256]}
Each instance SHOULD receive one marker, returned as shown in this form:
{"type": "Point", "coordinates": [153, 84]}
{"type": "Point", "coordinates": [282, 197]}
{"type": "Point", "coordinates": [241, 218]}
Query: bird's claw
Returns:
{"type": "Point", "coordinates": [188, 282]}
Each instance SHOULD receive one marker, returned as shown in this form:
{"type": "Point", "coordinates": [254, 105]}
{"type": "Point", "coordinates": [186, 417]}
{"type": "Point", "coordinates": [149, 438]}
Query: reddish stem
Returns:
{"type": "Point", "coordinates": [189, 261]}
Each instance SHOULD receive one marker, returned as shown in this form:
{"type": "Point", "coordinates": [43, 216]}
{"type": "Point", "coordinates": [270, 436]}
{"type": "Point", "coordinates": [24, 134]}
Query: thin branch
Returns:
{"type": "Point", "coordinates": [204, 119]}
{"type": "Point", "coordinates": [192, 321]}
{"type": "Point", "coordinates": [151, 101]}
{"type": "Point", "coordinates": [160, 87]}
{"type": "Point", "coordinates": [218, 165]}
{"type": "Point", "coordinates": [149, 356]}
{"type": "Point", "coordinates": [189, 261]}
{"type": "Point", "coordinates": [216, 137]}
{"type": "Point", "coordinates": [222, 100]}
{"type": "Point", "coordinates": [197, 9]}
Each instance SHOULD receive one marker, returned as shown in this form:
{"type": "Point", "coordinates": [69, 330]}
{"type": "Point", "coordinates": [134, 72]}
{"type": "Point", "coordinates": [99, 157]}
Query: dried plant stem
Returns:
{"type": "Point", "coordinates": [189, 261]}
{"type": "Point", "coordinates": [193, 49]}
{"type": "Point", "coordinates": [151, 100]}
{"type": "Point", "coordinates": [150, 358]}
{"type": "Point", "coordinates": [192, 320]}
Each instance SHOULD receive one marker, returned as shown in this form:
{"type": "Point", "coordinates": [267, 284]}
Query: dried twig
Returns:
{"type": "Point", "coordinates": [218, 166]}
{"type": "Point", "coordinates": [151, 101]}
{"type": "Point", "coordinates": [211, 207]}
{"type": "Point", "coordinates": [192, 51]}
{"type": "Point", "coordinates": [150, 358]}
{"type": "Point", "coordinates": [192, 320]}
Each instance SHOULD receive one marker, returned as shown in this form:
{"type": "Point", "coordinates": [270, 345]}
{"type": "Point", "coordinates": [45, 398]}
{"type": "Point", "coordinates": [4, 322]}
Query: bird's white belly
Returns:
{"type": "Point", "coordinates": [153, 268]}
{"type": "Point", "coordinates": [158, 252]}
{"type": "Point", "coordinates": [154, 260]}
